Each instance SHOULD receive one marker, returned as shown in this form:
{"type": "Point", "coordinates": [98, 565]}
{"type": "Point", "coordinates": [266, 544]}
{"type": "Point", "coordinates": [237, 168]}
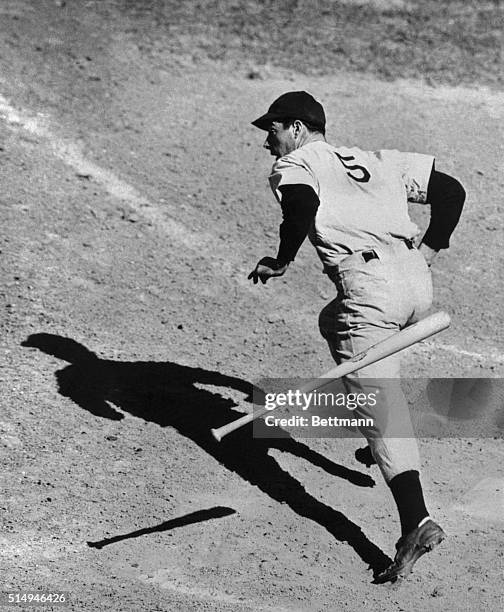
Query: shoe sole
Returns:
{"type": "Point", "coordinates": [435, 541]}
{"type": "Point", "coordinates": [396, 576]}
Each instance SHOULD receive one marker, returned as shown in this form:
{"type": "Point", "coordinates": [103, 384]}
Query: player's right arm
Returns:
{"type": "Point", "coordinates": [299, 206]}
{"type": "Point", "coordinates": [294, 188]}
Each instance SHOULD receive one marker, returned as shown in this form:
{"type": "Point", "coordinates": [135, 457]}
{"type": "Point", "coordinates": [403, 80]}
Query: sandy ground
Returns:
{"type": "Point", "coordinates": [134, 203]}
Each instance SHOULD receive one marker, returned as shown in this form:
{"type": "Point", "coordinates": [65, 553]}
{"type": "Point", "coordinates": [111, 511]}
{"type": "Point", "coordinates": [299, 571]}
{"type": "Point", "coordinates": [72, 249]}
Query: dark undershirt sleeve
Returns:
{"type": "Point", "coordinates": [446, 197]}
{"type": "Point", "coordinates": [299, 206]}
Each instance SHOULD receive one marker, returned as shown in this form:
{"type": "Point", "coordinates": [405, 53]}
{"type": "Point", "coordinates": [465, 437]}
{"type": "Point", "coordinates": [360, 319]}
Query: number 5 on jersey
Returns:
{"type": "Point", "coordinates": [360, 178]}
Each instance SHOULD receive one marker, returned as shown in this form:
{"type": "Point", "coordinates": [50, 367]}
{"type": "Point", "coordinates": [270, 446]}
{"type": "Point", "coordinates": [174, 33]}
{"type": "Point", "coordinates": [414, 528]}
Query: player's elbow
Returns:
{"type": "Point", "coordinates": [458, 199]}
{"type": "Point", "coordinates": [459, 192]}
{"type": "Point", "coordinates": [453, 189]}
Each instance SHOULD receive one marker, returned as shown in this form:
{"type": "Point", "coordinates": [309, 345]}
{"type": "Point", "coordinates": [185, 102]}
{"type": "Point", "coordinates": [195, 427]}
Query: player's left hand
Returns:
{"type": "Point", "coordinates": [267, 267]}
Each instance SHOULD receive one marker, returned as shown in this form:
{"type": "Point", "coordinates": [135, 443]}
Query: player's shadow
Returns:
{"type": "Point", "coordinates": [167, 393]}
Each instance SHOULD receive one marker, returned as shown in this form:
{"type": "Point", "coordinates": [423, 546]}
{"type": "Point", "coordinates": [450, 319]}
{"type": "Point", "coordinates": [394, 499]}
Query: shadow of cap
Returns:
{"type": "Point", "coordinates": [62, 348]}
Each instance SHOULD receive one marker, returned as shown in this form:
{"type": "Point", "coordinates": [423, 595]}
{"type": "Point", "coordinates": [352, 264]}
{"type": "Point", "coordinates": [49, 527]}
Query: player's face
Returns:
{"type": "Point", "coordinates": [279, 141]}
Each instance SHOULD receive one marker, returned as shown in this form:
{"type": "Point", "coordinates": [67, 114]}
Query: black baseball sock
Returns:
{"type": "Point", "coordinates": [408, 495]}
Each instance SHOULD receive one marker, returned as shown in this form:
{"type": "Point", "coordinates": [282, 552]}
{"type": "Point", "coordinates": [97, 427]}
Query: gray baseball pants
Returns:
{"type": "Point", "coordinates": [380, 291]}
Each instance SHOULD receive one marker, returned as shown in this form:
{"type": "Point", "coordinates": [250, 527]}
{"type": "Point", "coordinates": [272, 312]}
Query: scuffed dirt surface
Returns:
{"type": "Point", "coordinates": [134, 203]}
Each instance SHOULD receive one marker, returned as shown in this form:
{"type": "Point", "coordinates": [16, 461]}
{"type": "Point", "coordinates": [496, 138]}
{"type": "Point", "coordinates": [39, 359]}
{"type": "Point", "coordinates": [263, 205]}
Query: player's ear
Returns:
{"type": "Point", "coordinates": [297, 127]}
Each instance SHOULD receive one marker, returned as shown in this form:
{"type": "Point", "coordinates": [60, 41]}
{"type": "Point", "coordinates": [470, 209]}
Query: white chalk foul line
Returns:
{"type": "Point", "coordinates": [490, 354]}
{"type": "Point", "coordinates": [71, 154]}
{"type": "Point", "coordinates": [485, 500]}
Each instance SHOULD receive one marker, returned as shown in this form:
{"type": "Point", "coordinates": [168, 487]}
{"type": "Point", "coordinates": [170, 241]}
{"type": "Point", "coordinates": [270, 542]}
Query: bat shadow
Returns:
{"type": "Point", "coordinates": [169, 394]}
{"type": "Point", "coordinates": [181, 521]}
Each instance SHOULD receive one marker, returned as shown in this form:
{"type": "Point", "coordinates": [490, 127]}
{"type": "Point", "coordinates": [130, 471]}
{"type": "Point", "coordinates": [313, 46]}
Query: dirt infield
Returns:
{"type": "Point", "coordinates": [134, 204]}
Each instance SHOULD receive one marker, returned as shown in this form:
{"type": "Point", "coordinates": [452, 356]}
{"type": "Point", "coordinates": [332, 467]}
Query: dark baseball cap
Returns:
{"type": "Point", "coordinates": [293, 105]}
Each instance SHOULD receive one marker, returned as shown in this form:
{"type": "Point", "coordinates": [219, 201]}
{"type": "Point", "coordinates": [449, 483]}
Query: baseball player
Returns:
{"type": "Point", "coordinates": [352, 204]}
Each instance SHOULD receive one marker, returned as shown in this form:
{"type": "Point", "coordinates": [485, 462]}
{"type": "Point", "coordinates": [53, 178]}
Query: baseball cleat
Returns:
{"type": "Point", "coordinates": [409, 549]}
{"type": "Point", "coordinates": [363, 455]}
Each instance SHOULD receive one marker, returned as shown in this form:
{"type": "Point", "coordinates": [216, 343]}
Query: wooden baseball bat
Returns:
{"type": "Point", "coordinates": [417, 332]}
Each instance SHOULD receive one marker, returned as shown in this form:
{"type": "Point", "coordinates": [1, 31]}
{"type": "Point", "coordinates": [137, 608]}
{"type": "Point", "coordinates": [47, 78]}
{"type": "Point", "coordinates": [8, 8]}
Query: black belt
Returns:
{"type": "Point", "coordinates": [371, 254]}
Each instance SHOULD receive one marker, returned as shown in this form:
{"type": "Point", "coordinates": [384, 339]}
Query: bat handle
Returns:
{"type": "Point", "coordinates": [219, 432]}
